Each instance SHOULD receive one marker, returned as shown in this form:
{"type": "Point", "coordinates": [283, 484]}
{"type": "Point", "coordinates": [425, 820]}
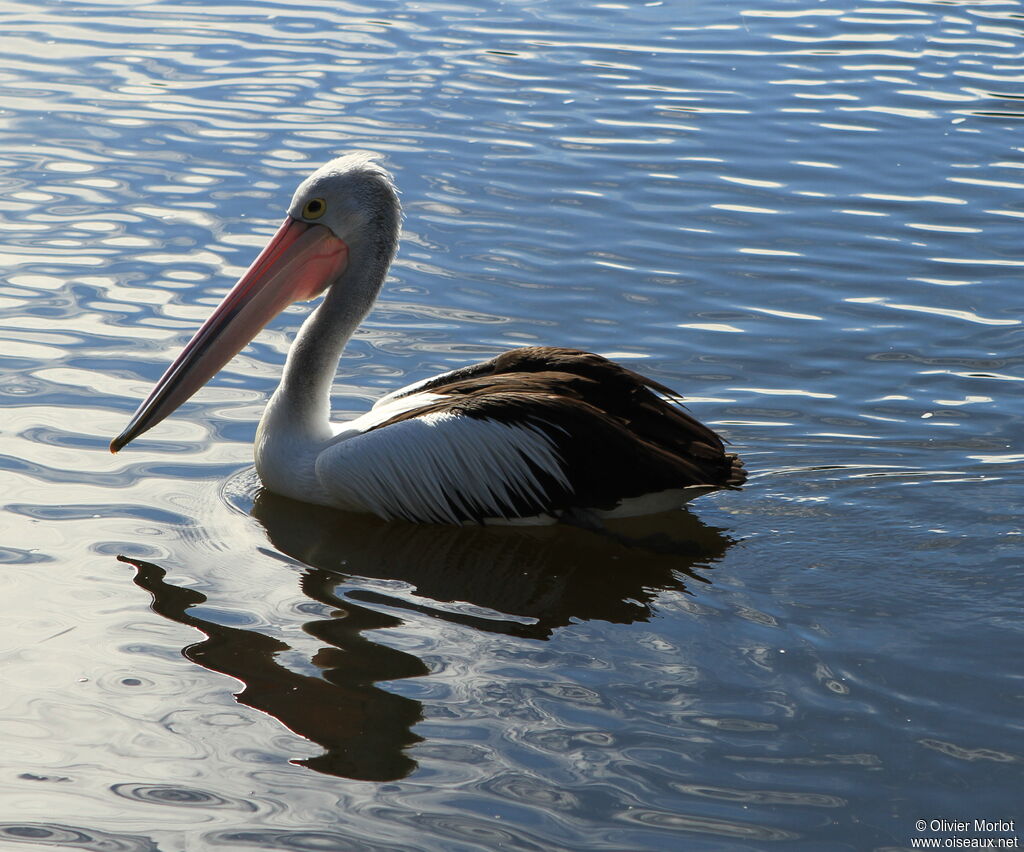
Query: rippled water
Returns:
{"type": "Point", "coordinates": [805, 217]}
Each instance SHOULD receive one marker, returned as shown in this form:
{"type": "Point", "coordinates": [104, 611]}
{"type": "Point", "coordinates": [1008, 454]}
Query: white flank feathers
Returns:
{"type": "Point", "coordinates": [405, 392]}
{"type": "Point", "coordinates": [383, 410]}
{"type": "Point", "coordinates": [439, 467]}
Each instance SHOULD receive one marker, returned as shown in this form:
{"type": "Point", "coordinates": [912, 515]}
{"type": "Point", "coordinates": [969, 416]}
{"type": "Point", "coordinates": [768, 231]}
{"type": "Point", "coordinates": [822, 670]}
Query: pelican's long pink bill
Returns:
{"type": "Point", "coordinates": [298, 263]}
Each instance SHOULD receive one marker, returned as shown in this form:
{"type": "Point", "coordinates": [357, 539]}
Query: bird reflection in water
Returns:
{"type": "Point", "coordinates": [529, 581]}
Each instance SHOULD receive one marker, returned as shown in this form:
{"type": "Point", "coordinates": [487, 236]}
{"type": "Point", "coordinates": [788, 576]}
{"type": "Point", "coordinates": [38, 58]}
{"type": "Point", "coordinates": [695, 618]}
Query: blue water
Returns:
{"type": "Point", "coordinates": [805, 218]}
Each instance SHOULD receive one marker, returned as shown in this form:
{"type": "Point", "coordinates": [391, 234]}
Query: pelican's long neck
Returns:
{"type": "Point", "coordinates": [305, 388]}
{"type": "Point", "coordinates": [296, 423]}
{"type": "Point", "coordinates": [303, 399]}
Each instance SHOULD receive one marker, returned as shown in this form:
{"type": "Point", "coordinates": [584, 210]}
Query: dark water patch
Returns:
{"type": "Point", "coordinates": [14, 556]}
{"type": "Point", "coordinates": [301, 841]}
{"type": "Point", "coordinates": [68, 837]}
{"type": "Point", "coordinates": [82, 512]}
{"type": "Point", "coordinates": [177, 797]}
{"type": "Point", "coordinates": [46, 779]}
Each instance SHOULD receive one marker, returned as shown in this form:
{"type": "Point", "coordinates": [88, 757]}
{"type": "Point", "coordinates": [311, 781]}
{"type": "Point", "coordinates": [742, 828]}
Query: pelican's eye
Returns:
{"type": "Point", "coordinates": [314, 209]}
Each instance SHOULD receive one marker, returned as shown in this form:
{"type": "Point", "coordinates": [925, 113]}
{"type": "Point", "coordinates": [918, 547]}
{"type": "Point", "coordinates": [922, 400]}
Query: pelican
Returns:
{"type": "Point", "coordinates": [535, 435]}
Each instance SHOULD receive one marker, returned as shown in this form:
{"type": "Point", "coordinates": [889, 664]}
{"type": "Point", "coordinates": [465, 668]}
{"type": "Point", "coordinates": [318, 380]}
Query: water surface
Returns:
{"type": "Point", "coordinates": [805, 218]}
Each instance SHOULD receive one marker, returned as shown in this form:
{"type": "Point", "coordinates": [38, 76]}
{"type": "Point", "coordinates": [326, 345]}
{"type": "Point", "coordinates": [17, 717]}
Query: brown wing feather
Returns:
{"type": "Point", "coordinates": [616, 436]}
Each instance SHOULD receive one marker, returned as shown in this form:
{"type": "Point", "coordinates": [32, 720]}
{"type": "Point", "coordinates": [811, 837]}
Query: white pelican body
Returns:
{"type": "Point", "coordinates": [531, 436]}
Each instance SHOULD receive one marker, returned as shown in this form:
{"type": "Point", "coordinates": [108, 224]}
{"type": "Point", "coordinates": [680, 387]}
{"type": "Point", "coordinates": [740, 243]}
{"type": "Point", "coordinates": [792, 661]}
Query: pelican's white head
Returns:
{"type": "Point", "coordinates": [342, 227]}
{"type": "Point", "coordinates": [352, 195]}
